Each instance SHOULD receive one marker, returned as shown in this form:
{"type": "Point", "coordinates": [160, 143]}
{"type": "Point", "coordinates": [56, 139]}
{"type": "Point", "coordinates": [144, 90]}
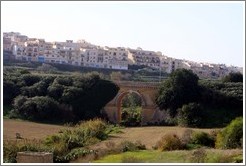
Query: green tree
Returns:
{"type": "Point", "coordinates": [131, 110]}
{"type": "Point", "coordinates": [131, 100]}
{"type": "Point", "coordinates": [180, 88]}
{"type": "Point", "coordinates": [37, 89]}
{"type": "Point", "coordinates": [30, 79]}
{"type": "Point", "coordinates": [37, 108]}
{"type": "Point", "coordinates": [55, 91]}
{"type": "Point", "coordinates": [190, 115]}
{"type": "Point", "coordinates": [231, 136]}
{"type": "Point", "coordinates": [10, 91]}
{"type": "Point", "coordinates": [233, 77]}
{"type": "Point", "coordinates": [131, 116]}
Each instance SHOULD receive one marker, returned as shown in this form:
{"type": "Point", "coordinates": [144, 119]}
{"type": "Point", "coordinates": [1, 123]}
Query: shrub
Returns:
{"type": "Point", "coordinates": [131, 116]}
{"type": "Point", "coordinates": [30, 79]}
{"type": "Point", "coordinates": [202, 138]}
{"type": "Point", "coordinates": [169, 142]}
{"type": "Point", "coordinates": [231, 136]}
{"type": "Point", "coordinates": [37, 108]}
{"type": "Point", "coordinates": [190, 115]}
{"type": "Point", "coordinates": [86, 133]}
{"type": "Point", "coordinates": [130, 146]}
{"type": "Point", "coordinates": [94, 128]}
{"type": "Point", "coordinates": [233, 77]}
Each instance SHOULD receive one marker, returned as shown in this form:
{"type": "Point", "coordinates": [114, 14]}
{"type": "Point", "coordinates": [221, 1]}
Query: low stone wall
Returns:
{"type": "Point", "coordinates": [34, 157]}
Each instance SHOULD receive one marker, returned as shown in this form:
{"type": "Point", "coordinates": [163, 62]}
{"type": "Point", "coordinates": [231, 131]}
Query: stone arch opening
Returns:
{"type": "Point", "coordinates": [119, 99]}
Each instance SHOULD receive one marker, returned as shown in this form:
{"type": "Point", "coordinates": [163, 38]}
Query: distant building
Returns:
{"type": "Point", "coordinates": [143, 57]}
{"type": "Point", "coordinates": [83, 53]}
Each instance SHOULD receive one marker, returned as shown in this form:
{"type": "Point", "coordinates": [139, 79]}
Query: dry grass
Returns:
{"type": "Point", "coordinates": [146, 135]}
{"type": "Point", "coordinates": [28, 130]}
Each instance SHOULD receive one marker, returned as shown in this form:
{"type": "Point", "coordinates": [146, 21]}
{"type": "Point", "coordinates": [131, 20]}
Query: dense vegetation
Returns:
{"type": "Point", "coordinates": [233, 77]}
{"type": "Point", "coordinates": [66, 145]}
{"type": "Point", "coordinates": [131, 110]}
{"type": "Point", "coordinates": [199, 103]}
{"type": "Point", "coordinates": [231, 136]}
{"type": "Point", "coordinates": [56, 97]}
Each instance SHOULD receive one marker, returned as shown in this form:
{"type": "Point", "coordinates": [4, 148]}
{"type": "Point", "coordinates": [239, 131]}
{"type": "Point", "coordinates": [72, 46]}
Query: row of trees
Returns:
{"type": "Point", "coordinates": [56, 97]}
{"type": "Point", "coordinates": [188, 100]}
{"type": "Point", "coordinates": [201, 103]}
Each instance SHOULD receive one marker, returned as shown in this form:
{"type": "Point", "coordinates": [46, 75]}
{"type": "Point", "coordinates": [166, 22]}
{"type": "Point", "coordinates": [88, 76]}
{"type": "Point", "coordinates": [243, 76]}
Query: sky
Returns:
{"type": "Point", "coordinates": [212, 32]}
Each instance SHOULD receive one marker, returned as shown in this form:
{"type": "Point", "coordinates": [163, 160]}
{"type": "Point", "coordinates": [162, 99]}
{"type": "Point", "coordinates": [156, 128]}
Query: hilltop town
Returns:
{"type": "Point", "coordinates": [82, 53]}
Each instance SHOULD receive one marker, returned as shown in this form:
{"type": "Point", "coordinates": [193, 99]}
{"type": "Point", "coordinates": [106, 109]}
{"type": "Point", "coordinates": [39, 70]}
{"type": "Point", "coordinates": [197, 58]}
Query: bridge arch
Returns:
{"type": "Point", "coordinates": [119, 98]}
{"type": "Point", "coordinates": [145, 90]}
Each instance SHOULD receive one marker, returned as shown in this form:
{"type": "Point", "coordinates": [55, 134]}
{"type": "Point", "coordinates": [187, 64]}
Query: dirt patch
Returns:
{"type": "Point", "coordinates": [146, 135]}
{"type": "Point", "coordinates": [28, 130]}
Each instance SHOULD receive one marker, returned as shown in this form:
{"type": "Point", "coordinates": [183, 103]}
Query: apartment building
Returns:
{"type": "Point", "coordinates": [143, 57]}
{"type": "Point", "coordinates": [7, 44]}
{"type": "Point", "coordinates": [113, 58]}
{"type": "Point", "coordinates": [116, 57]}
{"type": "Point", "coordinates": [83, 53]}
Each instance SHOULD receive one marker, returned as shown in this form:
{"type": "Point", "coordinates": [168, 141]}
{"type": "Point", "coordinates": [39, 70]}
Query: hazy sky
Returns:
{"type": "Point", "coordinates": [198, 31]}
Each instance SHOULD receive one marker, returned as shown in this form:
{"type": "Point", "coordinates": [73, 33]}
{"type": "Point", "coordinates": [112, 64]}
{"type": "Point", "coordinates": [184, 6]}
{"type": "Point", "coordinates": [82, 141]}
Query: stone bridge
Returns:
{"type": "Point", "coordinates": [147, 91]}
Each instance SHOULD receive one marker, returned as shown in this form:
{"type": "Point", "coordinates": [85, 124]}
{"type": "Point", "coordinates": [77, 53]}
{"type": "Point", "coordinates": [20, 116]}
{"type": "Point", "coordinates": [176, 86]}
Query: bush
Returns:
{"type": "Point", "coordinates": [169, 142]}
{"type": "Point", "coordinates": [37, 108]}
{"type": "Point", "coordinates": [30, 79]}
{"type": "Point", "coordinates": [231, 136]}
{"type": "Point", "coordinates": [126, 146]}
{"type": "Point", "coordinates": [190, 115]}
{"type": "Point", "coordinates": [233, 77]}
{"type": "Point", "coordinates": [131, 116]}
{"type": "Point", "coordinates": [84, 134]}
{"type": "Point", "coordinates": [202, 138]}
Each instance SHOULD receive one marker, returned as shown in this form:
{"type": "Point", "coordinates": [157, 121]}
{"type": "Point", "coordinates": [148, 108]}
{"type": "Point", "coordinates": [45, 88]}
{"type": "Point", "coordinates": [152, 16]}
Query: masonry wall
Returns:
{"type": "Point", "coordinates": [34, 157]}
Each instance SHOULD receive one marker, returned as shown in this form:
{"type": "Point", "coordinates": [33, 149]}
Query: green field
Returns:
{"type": "Point", "coordinates": [179, 156]}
